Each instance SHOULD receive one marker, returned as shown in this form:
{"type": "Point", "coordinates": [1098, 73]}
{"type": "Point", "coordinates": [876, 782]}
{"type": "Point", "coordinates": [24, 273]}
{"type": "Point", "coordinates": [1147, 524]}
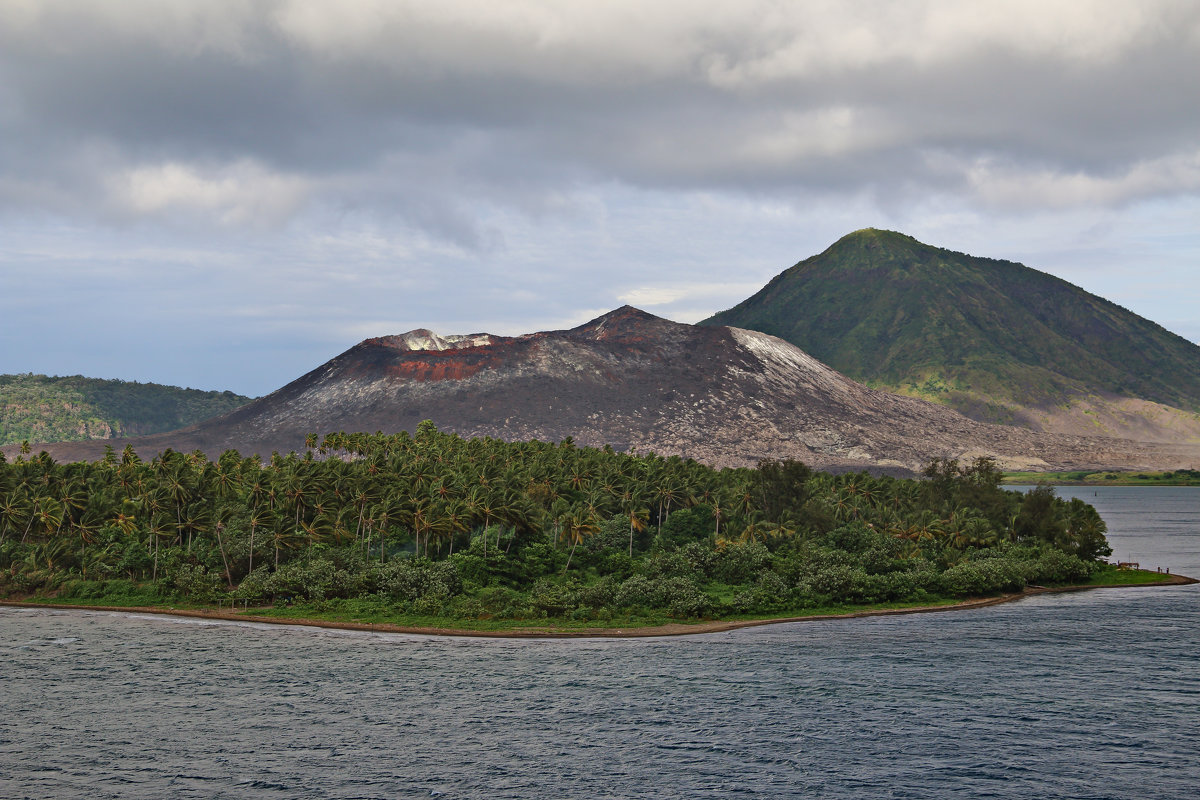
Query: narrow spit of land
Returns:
{"type": "Point", "coordinates": [1181, 477]}
{"type": "Point", "coordinates": [262, 615]}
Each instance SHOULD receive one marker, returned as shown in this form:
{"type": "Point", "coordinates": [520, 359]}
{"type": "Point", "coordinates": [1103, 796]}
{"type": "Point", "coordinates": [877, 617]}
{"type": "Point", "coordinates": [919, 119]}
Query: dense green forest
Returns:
{"type": "Point", "coordinates": [38, 408]}
{"type": "Point", "coordinates": [436, 526]}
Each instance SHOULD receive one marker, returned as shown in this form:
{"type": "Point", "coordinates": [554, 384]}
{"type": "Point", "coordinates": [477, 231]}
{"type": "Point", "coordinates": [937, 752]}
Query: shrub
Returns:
{"type": "Point", "coordinates": [616, 563]}
{"type": "Point", "coordinates": [1055, 566]}
{"type": "Point", "coordinates": [740, 562]}
{"type": "Point", "coordinates": [254, 585]}
{"type": "Point", "coordinates": [600, 594]}
{"type": "Point", "coordinates": [637, 590]}
{"type": "Point", "coordinates": [195, 582]}
{"type": "Point", "coordinates": [410, 579]}
{"type": "Point", "coordinates": [97, 590]}
{"type": "Point", "coordinates": [502, 602]}
{"type": "Point", "coordinates": [613, 535]}
{"type": "Point", "coordinates": [771, 593]}
{"type": "Point", "coordinates": [552, 599]}
{"type": "Point", "coordinates": [987, 576]}
{"type": "Point", "coordinates": [673, 564]}
{"type": "Point", "coordinates": [683, 598]}
{"type": "Point", "coordinates": [687, 525]}
{"type": "Point", "coordinates": [471, 567]}
{"type": "Point", "coordinates": [837, 581]}
{"type": "Point", "coordinates": [536, 559]}
{"type": "Point", "coordinates": [880, 560]}
{"type": "Point", "coordinates": [432, 603]}
{"type": "Point", "coordinates": [700, 557]}
{"type": "Point", "coordinates": [854, 537]}
{"type": "Point", "coordinates": [745, 602]}
{"type": "Point", "coordinates": [680, 595]}
{"type": "Point", "coordinates": [301, 580]}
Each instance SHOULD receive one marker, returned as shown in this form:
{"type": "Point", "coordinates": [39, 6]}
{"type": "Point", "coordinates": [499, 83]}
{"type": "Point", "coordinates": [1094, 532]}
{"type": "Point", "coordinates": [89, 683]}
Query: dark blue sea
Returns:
{"type": "Point", "coordinates": [1087, 695]}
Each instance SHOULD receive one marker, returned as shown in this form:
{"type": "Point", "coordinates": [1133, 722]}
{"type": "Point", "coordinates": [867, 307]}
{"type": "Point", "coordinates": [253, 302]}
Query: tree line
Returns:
{"type": "Point", "coordinates": [436, 525]}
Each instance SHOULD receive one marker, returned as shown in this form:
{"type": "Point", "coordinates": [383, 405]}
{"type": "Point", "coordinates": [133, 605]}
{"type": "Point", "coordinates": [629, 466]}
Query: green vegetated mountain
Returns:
{"type": "Point", "coordinates": [996, 340]}
{"type": "Point", "coordinates": [38, 408]}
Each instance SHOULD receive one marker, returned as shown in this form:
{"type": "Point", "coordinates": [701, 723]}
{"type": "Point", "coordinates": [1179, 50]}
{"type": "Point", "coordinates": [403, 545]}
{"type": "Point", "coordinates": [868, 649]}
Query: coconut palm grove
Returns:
{"type": "Point", "coordinates": [433, 528]}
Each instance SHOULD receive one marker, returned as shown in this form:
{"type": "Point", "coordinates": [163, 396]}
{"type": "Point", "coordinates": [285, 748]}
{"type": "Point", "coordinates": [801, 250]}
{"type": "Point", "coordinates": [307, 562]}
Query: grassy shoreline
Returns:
{"type": "Point", "coordinates": [614, 628]}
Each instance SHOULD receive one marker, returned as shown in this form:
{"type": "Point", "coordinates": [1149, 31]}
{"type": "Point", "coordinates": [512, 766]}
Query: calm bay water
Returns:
{"type": "Point", "coordinates": [1088, 695]}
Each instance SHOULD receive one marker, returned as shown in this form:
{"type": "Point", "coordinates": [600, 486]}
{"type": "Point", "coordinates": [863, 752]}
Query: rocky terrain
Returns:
{"type": "Point", "coordinates": [724, 396]}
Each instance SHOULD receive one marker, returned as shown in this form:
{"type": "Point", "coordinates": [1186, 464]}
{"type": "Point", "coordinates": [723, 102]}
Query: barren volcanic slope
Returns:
{"type": "Point", "coordinates": [721, 395]}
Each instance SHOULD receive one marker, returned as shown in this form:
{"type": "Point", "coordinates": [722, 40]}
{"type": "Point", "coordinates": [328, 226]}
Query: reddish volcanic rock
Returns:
{"type": "Point", "coordinates": [724, 396]}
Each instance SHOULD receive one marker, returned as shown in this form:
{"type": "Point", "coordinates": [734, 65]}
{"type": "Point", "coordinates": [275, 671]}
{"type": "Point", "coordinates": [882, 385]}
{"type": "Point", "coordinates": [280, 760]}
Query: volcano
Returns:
{"type": "Point", "coordinates": [628, 379]}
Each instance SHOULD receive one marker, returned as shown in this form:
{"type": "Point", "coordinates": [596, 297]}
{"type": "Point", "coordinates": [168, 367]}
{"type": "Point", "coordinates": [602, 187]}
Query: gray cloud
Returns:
{"type": "Point", "coordinates": [749, 97]}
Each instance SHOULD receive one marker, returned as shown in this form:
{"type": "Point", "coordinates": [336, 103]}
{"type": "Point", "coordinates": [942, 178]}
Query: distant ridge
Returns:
{"type": "Point", "coordinates": [39, 408]}
{"type": "Point", "coordinates": [723, 396]}
{"type": "Point", "coordinates": [995, 340]}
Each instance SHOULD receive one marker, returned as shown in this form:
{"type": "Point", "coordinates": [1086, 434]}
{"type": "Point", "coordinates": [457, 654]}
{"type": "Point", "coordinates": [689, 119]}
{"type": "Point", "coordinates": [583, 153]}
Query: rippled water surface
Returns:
{"type": "Point", "coordinates": [1089, 695]}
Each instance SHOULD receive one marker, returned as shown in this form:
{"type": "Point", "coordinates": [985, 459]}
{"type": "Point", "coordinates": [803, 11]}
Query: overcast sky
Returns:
{"type": "Point", "coordinates": [223, 194]}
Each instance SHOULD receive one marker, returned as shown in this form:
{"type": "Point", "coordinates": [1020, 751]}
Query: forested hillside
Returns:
{"type": "Point", "coordinates": [37, 408]}
{"type": "Point", "coordinates": [993, 339]}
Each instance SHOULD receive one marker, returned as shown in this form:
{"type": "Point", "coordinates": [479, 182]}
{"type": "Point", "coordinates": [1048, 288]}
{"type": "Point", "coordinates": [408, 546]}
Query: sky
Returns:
{"type": "Point", "coordinates": [224, 195]}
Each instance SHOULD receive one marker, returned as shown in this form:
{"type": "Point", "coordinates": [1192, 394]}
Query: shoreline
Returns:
{"type": "Point", "coordinates": [668, 629]}
{"type": "Point", "coordinates": [1105, 485]}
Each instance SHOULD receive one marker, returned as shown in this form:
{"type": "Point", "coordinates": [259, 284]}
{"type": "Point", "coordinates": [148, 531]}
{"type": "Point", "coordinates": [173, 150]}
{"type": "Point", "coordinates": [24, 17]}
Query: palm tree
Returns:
{"type": "Point", "coordinates": [225, 477]}
{"type": "Point", "coordinates": [516, 511]}
{"type": "Point", "coordinates": [719, 506]}
{"type": "Point", "coordinates": [218, 527]}
{"type": "Point", "coordinates": [388, 512]}
{"type": "Point", "coordinates": [73, 495]}
{"type": "Point", "coordinates": [158, 531]}
{"type": "Point", "coordinates": [197, 520]}
{"type": "Point", "coordinates": [926, 527]}
{"type": "Point", "coordinates": [489, 505]}
{"type": "Point", "coordinates": [90, 523]}
{"type": "Point", "coordinates": [317, 529]}
{"type": "Point", "coordinates": [284, 537]}
{"type": "Point", "coordinates": [457, 520]}
{"type": "Point", "coordinates": [977, 532]}
{"type": "Point", "coordinates": [756, 531]}
{"type": "Point", "coordinates": [423, 522]}
{"type": "Point", "coordinates": [259, 518]}
{"type": "Point", "coordinates": [47, 515]}
{"type": "Point", "coordinates": [363, 494]}
{"type": "Point", "coordinates": [14, 512]}
{"type": "Point", "coordinates": [173, 478]}
{"type": "Point", "coordinates": [577, 525]}
{"type": "Point", "coordinates": [666, 491]}
{"type": "Point", "coordinates": [638, 515]}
